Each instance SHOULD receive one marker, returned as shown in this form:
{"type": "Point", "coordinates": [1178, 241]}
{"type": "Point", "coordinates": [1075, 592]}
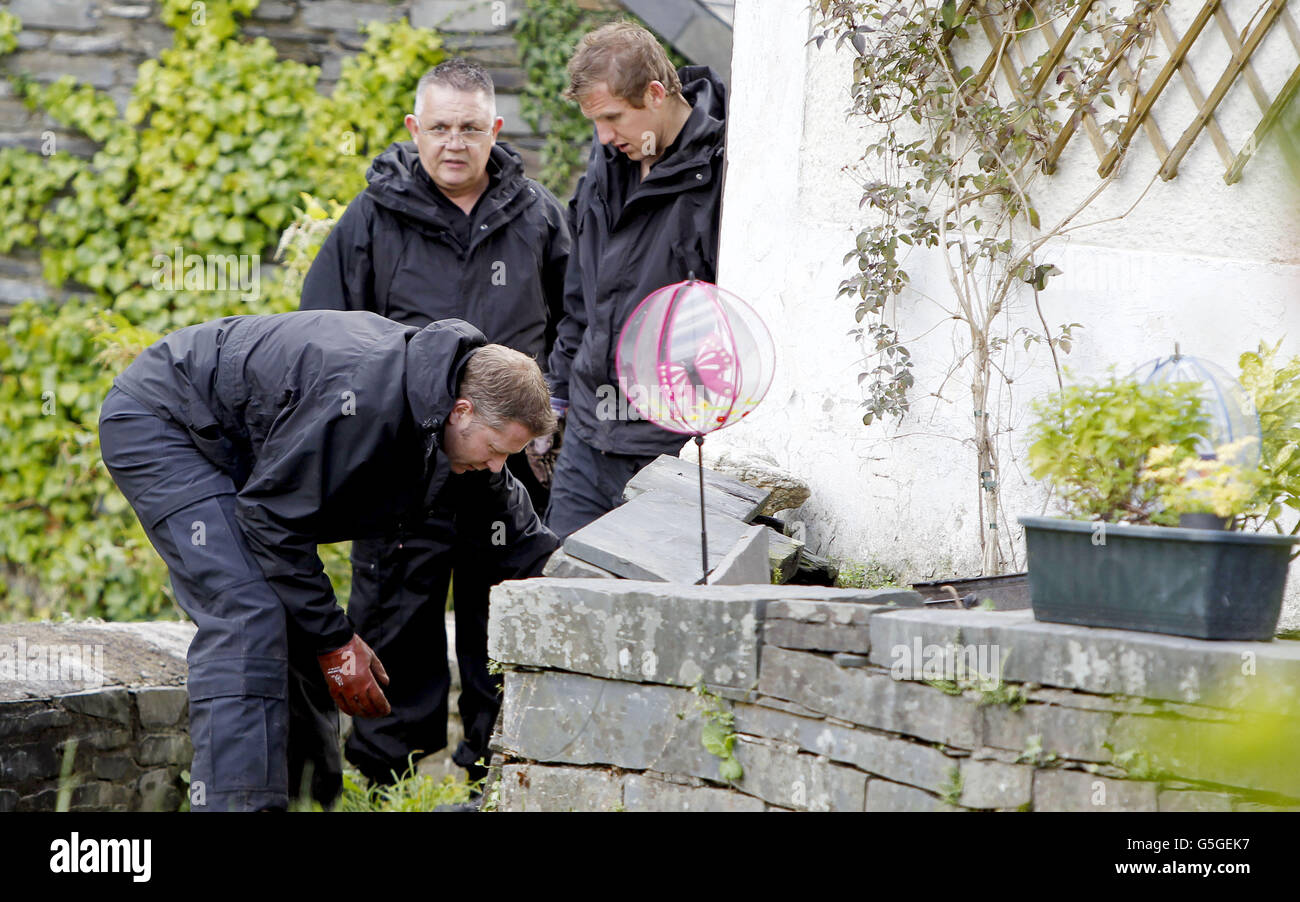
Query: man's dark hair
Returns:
{"type": "Point", "coordinates": [459, 74]}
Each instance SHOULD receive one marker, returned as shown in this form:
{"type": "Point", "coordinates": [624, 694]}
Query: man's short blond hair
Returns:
{"type": "Point", "coordinates": [507, 386]}
{"type": "Point", "coordinates": [626, 58]}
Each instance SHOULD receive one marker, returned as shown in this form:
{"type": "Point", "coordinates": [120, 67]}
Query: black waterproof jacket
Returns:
{"type": "Point", "coordinates": [330, 425]}
{"type": "Point", "coordinates": [395, 252]}
{"type": "Point", "coordinates": [665, 230]}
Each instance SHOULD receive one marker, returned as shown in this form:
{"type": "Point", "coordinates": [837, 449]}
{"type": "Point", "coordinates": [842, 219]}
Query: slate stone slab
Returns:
{"type": "Point", "coordinates": [897, 759]}
{"type": "Point", "coordinates": [992, 784]}
{"type": "Point", "coordinates": [885, 796]}
{"type": "Point", "coordinates": [801, 782]}
{"type": "Point", "coordinates": [643, 793]}
{"type": "Point", "coordinates": [1227, 674]}
{"type": "Point", "coordinates": [1070, 790]}
{"type": "Point", "coordinates": [746, 564]}
{"type": "Point", "coordinates": [1067, 732]}
{"type": "Point", "coordinates": [561, 565]}
{"type": "Point", "coordinates": [654, 536]}
{"type": "Point", "coordinates": [534, 787]}
{"type": "Point", "coordinates": [869, 697]}
{"type": "Point", "coordinates": [110, 654]}
{"type": "Point", "coordinates": [822, 626]}
{"type": "Point", "coordinates": [783, 555]}
{"type": "Point", "coordinates": [162, 706]}
{"type": "Point", "coordinates": [629, 630]}
{"type": "Point", "coordinates": [571, 719]}
{"type": "Point", "coordinates": [724, 495]}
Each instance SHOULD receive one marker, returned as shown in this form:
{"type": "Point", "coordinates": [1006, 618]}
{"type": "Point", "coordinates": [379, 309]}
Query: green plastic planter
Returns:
{"type": "Point", "coordinates": [1205, 583]}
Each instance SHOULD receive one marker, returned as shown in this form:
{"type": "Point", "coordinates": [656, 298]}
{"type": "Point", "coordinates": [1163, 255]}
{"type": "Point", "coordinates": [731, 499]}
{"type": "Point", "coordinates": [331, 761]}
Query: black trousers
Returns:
{"type": "Point", "coordinates": [262, 722]}
{"type": "Point", "coordinates": [398, 605]}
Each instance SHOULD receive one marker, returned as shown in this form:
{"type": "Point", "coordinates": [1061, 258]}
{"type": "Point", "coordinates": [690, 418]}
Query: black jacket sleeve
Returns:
{"type": "Point", "coordinates": [342, 276]}
{"type": "Point", "coordinates": [496, 524]}
{"type": "Point", "coordinates": [277, 510]}
{"type": "Point", "coordinates": [573, 321]}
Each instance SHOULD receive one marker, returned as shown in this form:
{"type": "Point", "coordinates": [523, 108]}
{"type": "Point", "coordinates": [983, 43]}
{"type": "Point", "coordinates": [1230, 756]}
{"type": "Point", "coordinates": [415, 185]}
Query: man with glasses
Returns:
{"type": "Point", "coordinates": [448, 227]}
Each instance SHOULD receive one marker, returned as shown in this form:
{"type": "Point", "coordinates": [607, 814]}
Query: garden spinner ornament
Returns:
{"type": "Point", "coordinates": [693, 358]}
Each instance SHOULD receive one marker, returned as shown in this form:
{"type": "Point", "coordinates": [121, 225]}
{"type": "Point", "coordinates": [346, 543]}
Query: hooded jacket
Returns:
{"type": "Point", "coordinates": [663, 231]}
{"type": "Point", "coordinates": [330, 425]}
{"type": "Point", "coordinates": [395, 252]}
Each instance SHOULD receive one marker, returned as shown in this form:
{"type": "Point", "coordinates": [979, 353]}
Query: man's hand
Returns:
{"type": "Point", "coordinates": [351, 672]}
{"type": "Point", "coordinates": [544, 451]}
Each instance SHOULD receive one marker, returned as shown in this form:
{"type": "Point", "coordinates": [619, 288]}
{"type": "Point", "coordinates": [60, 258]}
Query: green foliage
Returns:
{"type": "Point", "coordinates": [1186, 484]}
{"type": "Point", "coordinates": [220, 144]}
{"type": "Point", "coordinates": [1274, 386]}
{"type": "Point", "coordinates": [547, 33]}
{"type": "Point", "coordinates": [10, 25]}
{"type": "Point", "coordinates": [718, 735]}
{"type": "Point", "coordinates": [1091, 442]}
{"type": "Point", "coordinates": [951, 791]}
{"type": "Point", "coordinates": [412, 792]}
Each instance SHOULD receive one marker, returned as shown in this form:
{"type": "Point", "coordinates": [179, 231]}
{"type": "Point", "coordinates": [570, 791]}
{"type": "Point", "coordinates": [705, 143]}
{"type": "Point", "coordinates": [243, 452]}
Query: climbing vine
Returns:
{"type": "Point", "coordinates": [961, 129]}
{"type": "Point", "coordinates": [547, 33]}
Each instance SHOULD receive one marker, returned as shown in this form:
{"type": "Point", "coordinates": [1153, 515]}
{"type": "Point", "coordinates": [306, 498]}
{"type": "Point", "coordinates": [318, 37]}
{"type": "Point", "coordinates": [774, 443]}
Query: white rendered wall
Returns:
{"type": "Point", "coordinates": [1212, 266]}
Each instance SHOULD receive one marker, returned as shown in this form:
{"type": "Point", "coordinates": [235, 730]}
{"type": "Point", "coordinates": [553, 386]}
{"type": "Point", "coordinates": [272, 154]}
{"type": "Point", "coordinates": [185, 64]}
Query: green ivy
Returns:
{"type": "Point", "coordinates": [547, 33]}
{"type": "Point", "coordinates": [222, 148]}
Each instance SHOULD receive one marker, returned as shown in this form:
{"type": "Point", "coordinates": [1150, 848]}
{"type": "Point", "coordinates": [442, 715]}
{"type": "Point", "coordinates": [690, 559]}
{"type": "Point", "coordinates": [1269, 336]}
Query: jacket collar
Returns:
{"type": "Point", "coordinates": [431, 382]}
{"type": "Point", "coordinates": [399, 182]}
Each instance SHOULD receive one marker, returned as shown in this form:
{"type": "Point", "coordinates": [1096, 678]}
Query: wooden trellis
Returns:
{"type": "Point", "coordinates": [1174, 68]}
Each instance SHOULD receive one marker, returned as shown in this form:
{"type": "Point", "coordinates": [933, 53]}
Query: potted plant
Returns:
{"type": "Point", "coordinates": [1128, 461]}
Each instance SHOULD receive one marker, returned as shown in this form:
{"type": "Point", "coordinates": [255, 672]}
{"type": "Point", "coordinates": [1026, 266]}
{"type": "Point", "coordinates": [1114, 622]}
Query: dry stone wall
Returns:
{"type": "Point", "coordinates": [116, 690]}
{"type": "Point", "coordinates": [852, 700]}
{"type": "Point", "coordinates": [99, 709]}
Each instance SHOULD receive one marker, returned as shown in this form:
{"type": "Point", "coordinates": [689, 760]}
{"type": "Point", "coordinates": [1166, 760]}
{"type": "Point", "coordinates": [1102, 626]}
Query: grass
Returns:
{"type": "Point", "coordinates": [413, 791]}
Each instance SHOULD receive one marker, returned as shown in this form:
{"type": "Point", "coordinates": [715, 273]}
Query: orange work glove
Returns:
{"type": "Point", "coordinates": [350, 672]}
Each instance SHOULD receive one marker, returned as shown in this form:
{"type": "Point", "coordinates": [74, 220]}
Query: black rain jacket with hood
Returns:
{"type": "Point", "coordinates": [395, 252]}
{"type": "Point", "coordinates": [665, 230]}
{"type": "Point", "coordinates": [330, 425]}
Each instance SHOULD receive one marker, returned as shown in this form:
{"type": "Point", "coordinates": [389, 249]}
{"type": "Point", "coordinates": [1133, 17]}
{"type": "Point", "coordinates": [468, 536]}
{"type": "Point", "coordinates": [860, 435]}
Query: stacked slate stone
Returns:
{"type": "Point", "coordinates": [655, 534]}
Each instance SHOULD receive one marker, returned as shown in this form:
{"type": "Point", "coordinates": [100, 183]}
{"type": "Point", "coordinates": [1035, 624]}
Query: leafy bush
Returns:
{"type": "Point", "coordinates": [1275, 389]}
{"type": "Point", "coordinates": [1091, 443]}
{"type": "Point", "coordinates": [220, 143]}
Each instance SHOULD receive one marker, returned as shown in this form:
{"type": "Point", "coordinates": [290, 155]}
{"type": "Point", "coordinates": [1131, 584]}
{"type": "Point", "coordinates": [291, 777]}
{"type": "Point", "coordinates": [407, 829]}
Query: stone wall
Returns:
{"type": "Point", "coordinates": [118, 691]}
{"type": "Point", "coordinates": [115, 689]}
{"type": "Point", "coordinates": [600, 712]}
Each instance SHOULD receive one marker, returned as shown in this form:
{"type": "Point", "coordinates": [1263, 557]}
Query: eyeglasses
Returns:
{"type": "Point", "coordinates": [443, 135]}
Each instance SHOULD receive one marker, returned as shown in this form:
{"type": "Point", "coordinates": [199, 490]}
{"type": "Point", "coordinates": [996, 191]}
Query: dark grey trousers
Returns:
{"type": "Point", "coordinates": [261, 718]}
